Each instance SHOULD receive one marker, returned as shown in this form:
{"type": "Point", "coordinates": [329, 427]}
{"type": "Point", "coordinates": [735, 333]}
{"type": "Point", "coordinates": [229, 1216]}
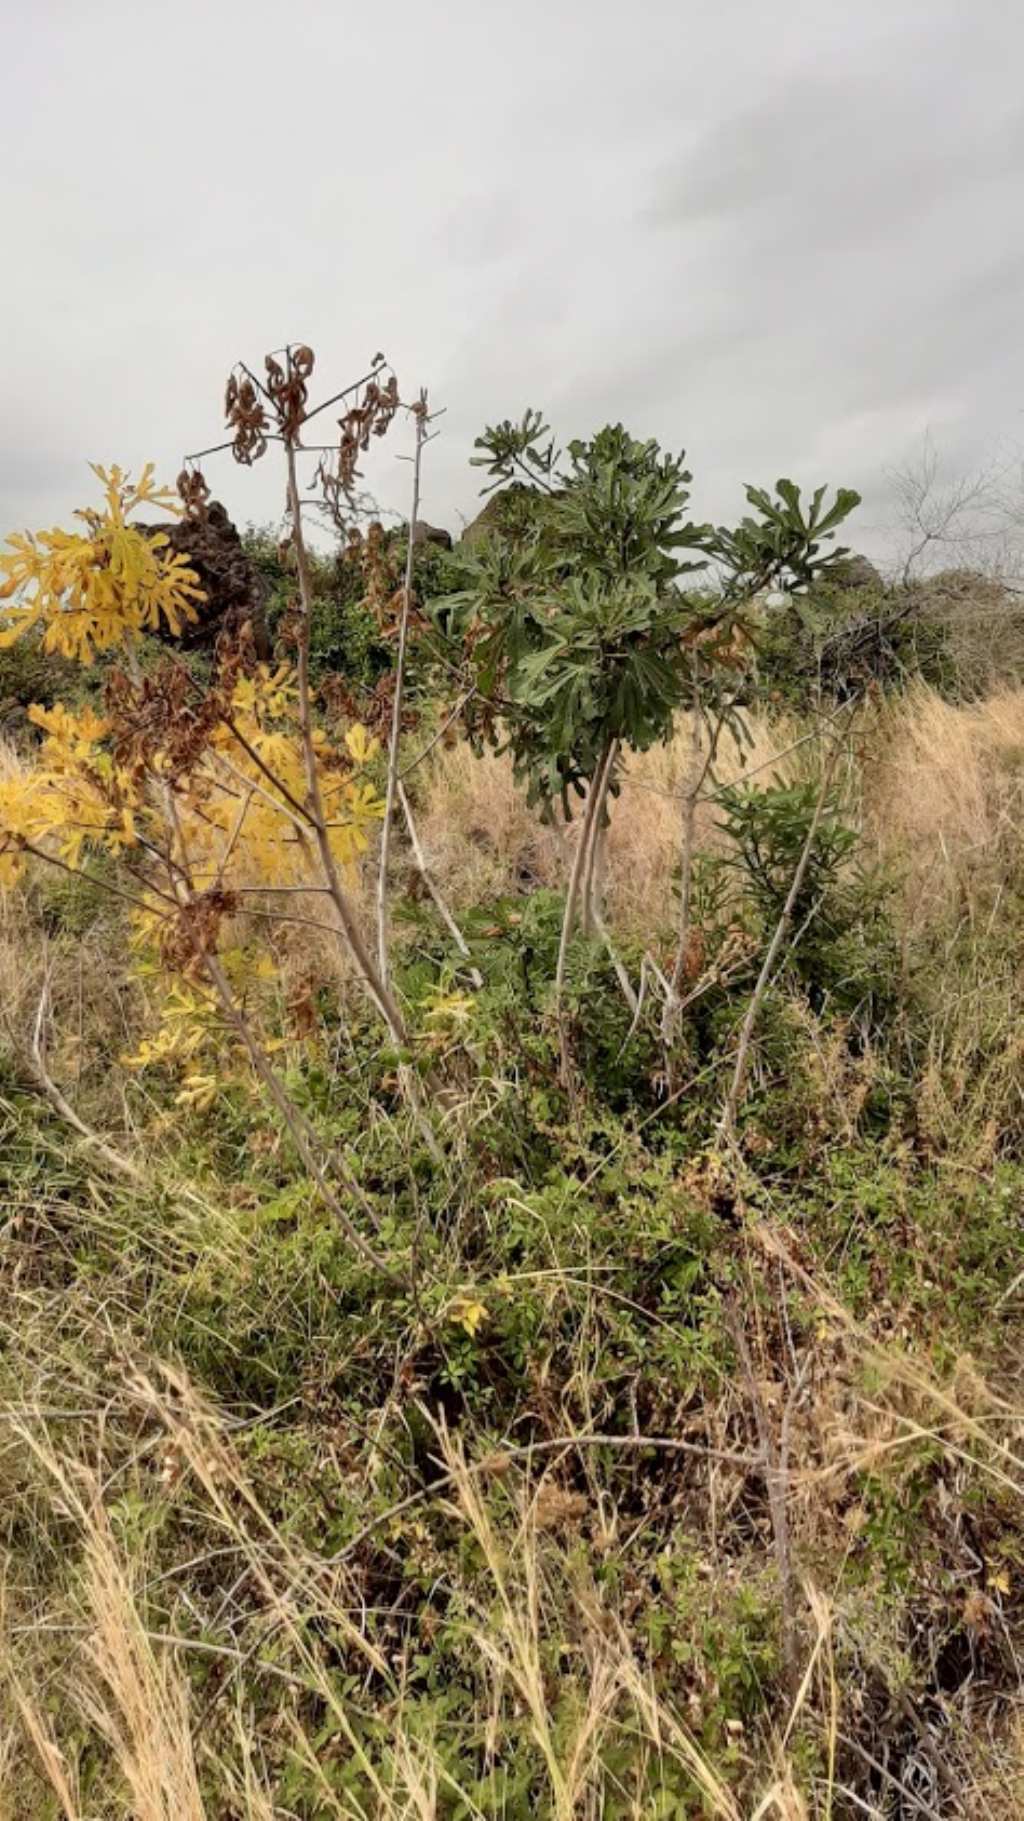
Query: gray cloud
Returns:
{"type": "Point", "coordinates": [786, 238]}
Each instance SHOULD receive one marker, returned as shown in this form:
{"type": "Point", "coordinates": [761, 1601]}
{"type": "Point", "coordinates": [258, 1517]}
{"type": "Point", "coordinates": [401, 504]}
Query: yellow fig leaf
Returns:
{"type": "Point", "coordinates": [199, 1091]}
{"type": "Point", "coordinates": [467, 1314]}
{"type": "Point", "coordinates": [361, 747]}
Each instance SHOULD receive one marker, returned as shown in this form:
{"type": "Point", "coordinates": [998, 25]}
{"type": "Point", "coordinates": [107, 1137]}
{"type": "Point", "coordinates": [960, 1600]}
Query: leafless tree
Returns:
{"type": "Point", "coordinates": [946, 519]}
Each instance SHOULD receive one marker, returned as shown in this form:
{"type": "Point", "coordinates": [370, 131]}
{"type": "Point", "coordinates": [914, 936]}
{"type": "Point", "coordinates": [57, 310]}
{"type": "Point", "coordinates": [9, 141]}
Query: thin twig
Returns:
{"type": "Point", "coordinates": [301, 1133]}
{"type": "Point", "coordinates": [663, 1443]}
{"type": "Point", "coordinates": [432, 886]}
{"type": "Point", "coordinates": [420, 414]}
{"type": "Point", "coordinates": [602, 784]}
{"type": "Point", "coordinates": [376, 988]}
{"type": "Point", "coordinates": [299, 809]}
{"type": "Point", "coordinates": [232, 841]}
{"type": "Point", "coordinates": [697, 772]}
{"type": "Point", "coordinates": [776, 1477]}
{"type": "Point", "coordinates": [439, 735]}
{"type": "Point", "coordinates": [100, 885]}
{"type": "Point", "coordinates": [337, 397]}
{"type": "Point", "coordinates": [592, 890]}
{"type": "Point", "coordinates": [618, 965]}
{"type": "Point", "coordinates": [727, 1123]}
{"type": "Point", "coordinates": [917, 1803]}
{"type": "Point", "coordinates": [576, 875]}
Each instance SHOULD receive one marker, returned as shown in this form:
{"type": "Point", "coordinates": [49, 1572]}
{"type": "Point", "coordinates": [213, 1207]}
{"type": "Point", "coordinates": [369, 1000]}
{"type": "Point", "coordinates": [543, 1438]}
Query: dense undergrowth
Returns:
{"type": "Point", "coordinates": [505, 1533]}
{"type": "Point", "coordinates": [641, 1464]}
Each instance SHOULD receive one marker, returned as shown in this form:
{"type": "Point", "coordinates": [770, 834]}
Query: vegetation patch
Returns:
{"type": "Point", "coordinates": [511, 1153]}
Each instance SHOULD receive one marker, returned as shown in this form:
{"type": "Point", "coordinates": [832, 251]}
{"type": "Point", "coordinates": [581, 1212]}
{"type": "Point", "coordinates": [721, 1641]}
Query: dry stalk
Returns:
{"type": "Point", "coordinates": [602, 784]}
{"type": "Point", "coordinates": [776, 1477]}
{"type": "Point", "coordinates": [420, 414]}
{"type": "Point", "coordinates": [432, 886]}
{"type": "Point", "coordinates": [581, 859]}
{"type": "Point", "coordinates": [592, 907]}
{"type": "Point", "coordinates": [375, 986]}
{"type": "Point", "coordinates": [697, 771]}
{"type": "Point", "coordinates": [727, 1123]}
{"type": "Point", "coordinates": [301, 1133]}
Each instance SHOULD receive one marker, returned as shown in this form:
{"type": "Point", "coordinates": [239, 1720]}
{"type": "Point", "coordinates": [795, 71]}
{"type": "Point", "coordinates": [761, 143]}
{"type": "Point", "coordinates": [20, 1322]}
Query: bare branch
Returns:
{"type": "Point", "coordinates": [696, 773]}
{"type": "Point", "coordinates": [432, 886]}
{"type": "Point", "coordinates": [958, 519]}
{"type": "Point", "coordinates": [727, 1123]}
{"type": "Point", "coordinates": [439, 735]}
{"type": "Point", "coordinates": [420, 414]}
{"type": "Point", "coordinates": [349, 926]}
{"type": "Point", "coordinates": [579, 866]}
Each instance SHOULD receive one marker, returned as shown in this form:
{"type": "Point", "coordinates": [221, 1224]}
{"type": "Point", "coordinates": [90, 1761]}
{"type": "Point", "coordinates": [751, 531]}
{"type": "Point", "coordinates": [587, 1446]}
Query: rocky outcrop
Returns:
{"type": "Point", "coordinates": [855, 571]}
{"type": "Point", "coordinates": [230, 581]}
{"type": "Point", "coordinates": [513, 511]}
{"type": "Point", "coordinates": [422, 533]}
{"type": "Point", "coordinates": [497, 512]}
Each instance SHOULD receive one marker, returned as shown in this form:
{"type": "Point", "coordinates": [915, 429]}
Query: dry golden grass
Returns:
{"type": "Point", "coordinates": [482, 840]}
{"type": "Point", "coordinates": [644, 831]}
{"type": "Point", "coordinates": [479, 837]}
{"type": "Point", "coordinates": [937, 789]}
{"type": "Point", "coordinates": [943, 792]}
{"type": "Point", "coordinates": [10, 764]}
{"type": "Point", "coordinates": [125, 1689]}
{"type": "Point", "coordinates": [121, 1691]}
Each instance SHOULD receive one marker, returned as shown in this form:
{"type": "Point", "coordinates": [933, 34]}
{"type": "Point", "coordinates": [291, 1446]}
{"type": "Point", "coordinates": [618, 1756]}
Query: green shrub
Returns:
{"type": "Point", "coordinates": [29, 674]}
{"type": "Point", "coordinates": [842, 947]}
{"type": "Point", "coordinates": [344, 636]}
{"type": "Point", "coordinates": [831, 643]}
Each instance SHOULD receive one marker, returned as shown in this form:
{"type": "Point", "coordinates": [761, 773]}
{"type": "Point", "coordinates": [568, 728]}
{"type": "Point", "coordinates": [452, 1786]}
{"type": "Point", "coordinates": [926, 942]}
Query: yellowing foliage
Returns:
{"type": "Point", "coordinates": [238, 821]}
{"type": "Point", "coordinates": [186, 1026]}
{"type": "Point", "coordinates": [232, 822]}
{"type": "Point", "coordinates": [26, 813]}
{"type": "Point", "coordinates": [213, 798]}
{"type": "Point", "coordinates": [102, 587]}
{"type": "Point", "coordinates": [467, 1313]}
{"type": "Point", "coordinates": [190, 1039]}
{"type": "Point", "coordinates": [73, 795]}
{"type": "Point", "coordinates": [236, 818]}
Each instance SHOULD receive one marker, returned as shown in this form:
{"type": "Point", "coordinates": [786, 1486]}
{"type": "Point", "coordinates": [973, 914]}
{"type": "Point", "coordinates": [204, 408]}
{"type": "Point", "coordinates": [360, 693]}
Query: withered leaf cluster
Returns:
{"type": "Point", "coordinates": [373, 708]}
{"type": "Point", "coordinates": [337, 497]}
{"type": "Point", "coordinates": [194, 492]}
{"type": "Point", "coordinates": [192, 933]}
{"type": "Point", "coordinates": [301, 1007]}
{"type": "Point", "coordinates": [287, 388]}
{"type": "Point", "coordinates": [382, 565]}
{"type": "Point", "coordinates": [159, 718]}
{"type": "Point", "coordinates": [479, 720]}
{"type": "Point", "coordinates": [245, 414]}
{"type": "Point", "coordinates": [371, 415]}
{"type": "Point", "coordinates": [257, 410]}
{"type": "Point", "coordinates": [162, 722]}
{"type": "Point", "coordinates": [285, 392]}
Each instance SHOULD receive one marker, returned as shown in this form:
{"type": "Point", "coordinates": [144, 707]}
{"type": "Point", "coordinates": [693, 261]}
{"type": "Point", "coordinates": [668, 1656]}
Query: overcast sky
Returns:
{"type": "Point", "coordinates": [788, 237]}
